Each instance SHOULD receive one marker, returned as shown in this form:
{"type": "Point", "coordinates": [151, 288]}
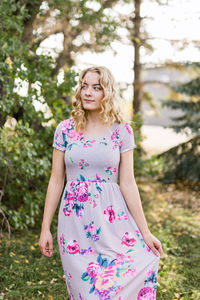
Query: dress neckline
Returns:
{"type": "Point", "coordinates": [98, 136]}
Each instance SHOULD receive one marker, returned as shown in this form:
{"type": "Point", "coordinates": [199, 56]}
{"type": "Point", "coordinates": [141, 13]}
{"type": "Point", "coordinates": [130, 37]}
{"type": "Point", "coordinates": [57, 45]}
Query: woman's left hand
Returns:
{"type": "Point", "coordinates": [153, 243]}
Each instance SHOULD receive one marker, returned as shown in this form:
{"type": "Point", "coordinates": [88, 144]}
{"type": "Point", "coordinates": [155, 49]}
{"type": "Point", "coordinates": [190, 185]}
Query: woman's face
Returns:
{"type": "Point", "coordinates": [91, 91]}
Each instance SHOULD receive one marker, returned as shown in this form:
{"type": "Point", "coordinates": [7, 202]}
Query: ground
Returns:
{"type": "Point", "coordinates": [173, 215]}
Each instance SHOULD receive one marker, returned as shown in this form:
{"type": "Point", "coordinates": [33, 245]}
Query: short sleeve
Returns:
{"type": "Point", "coordinates": [127, 138]}
{"type": "Point", "coordinates": [59, 138]}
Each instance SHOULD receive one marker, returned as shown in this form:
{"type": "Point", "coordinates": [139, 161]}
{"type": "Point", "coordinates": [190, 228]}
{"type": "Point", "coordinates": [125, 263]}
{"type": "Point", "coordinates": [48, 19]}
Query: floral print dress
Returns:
{"type": "Point", "coordinates": [102, 250]}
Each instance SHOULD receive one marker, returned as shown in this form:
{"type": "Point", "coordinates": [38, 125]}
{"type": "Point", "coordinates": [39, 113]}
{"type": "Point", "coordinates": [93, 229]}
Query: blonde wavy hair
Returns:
{"type": "Point", "coordinates": [110, 111]}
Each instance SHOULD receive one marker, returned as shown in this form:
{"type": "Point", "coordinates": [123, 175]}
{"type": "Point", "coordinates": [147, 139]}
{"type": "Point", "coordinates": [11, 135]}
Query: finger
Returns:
{"type": "Point", "coordinates": [41, 248]}
{"type": "Point", "coordinates": [47, 254]}
{"type": "Point", "coordinates": [159, 248]}
{"type": "Point", "coordinates": [44, 250]}
{"type": "Point", "coordinates": [155, 251]}
{"type": "Point", "coordinates": [51, 247]}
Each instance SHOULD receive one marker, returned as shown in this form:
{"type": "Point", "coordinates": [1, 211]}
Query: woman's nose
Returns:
{"type": "Point", "coordinates": [88, 91]}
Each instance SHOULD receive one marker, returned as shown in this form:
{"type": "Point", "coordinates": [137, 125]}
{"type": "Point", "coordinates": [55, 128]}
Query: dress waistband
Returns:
{"type": "Point", "coordinates": [90, 180]}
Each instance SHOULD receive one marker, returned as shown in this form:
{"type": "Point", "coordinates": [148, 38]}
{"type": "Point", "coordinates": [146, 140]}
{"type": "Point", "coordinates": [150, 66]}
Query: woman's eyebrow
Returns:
{"type": "Point", "coordinates": [92, 85]}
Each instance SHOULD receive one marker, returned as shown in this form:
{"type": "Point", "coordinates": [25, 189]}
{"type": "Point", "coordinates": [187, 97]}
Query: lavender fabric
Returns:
{"type": "Point", "coordinates": [102, 251]}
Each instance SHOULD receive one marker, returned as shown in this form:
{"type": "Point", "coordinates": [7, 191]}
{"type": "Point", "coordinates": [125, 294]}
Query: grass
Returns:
{"type": "Point", "coordinates": [26, 273]}
{"type": "Point", "coordinates": [173, 215]}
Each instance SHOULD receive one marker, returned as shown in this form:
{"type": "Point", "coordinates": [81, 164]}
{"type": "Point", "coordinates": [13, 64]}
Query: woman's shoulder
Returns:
{"type": "Point", "coordinates": [66, 124]}
{"type": "Point", "coordinates": [124, 127]}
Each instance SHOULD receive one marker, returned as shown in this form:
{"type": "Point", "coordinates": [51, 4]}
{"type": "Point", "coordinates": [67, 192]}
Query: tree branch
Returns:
{"type": "Point", "coordinates": [28, 25]}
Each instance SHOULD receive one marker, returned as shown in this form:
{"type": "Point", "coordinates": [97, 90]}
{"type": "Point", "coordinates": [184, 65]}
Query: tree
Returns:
{"type": "Point", "coordinates": [83, 25]}
{"type": "Point", "coordinates": [26, 132]}
{"type": "Point", "coordinates": [140, 38]}
{"type": "Point", "coordinates": [137, 64]}
{"type": "Point", "coordinates": [182, 162]}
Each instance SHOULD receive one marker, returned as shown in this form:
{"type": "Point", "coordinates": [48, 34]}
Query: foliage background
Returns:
{"type": "Point", "coordinates": [25, 143]}
{"type": "Point", "coordinates": [26, 136]}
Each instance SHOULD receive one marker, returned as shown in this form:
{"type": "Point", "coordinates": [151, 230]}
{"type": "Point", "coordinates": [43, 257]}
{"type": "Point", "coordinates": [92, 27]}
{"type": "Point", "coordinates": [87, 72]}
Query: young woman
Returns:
{"type": "Point", "coordinates": [106, 247]}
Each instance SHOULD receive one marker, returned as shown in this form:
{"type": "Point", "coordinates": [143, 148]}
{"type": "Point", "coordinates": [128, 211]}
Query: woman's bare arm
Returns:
{"type": "Point", "coordinates": [130, 191]}
{"type": "Point", "coordinates": [54, 190]}
{"type": "Point", "coordinates": [131, 195]}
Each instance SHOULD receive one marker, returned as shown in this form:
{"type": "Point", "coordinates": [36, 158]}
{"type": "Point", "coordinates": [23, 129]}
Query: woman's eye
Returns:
{"type": "Point", "coordinates": [97, 88]}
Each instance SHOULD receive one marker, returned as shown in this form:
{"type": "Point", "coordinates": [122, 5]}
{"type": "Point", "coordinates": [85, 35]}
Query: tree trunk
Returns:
{"type": "Point", "coordinates": [33, 10]}
{"type": "Point", "coordinates": [137, 92]}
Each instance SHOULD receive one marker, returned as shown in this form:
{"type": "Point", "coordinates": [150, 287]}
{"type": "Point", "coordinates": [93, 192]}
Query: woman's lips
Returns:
{"type": "Point", "coordinates": [86, 100]}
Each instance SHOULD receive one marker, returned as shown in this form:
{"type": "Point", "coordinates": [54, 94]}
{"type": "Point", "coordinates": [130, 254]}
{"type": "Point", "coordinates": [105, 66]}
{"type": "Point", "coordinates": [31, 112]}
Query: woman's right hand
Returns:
{"type": "Point", "coordinates": [46, 243]}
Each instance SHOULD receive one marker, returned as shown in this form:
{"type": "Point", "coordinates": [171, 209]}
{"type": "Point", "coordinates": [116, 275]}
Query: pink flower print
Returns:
{"type": "Point", "coordinates": [150, 273]}
{"type": "Point", "coordinates": [110, 170]}
{"type": "Point", "coordinates": [148, 248]}
{"type": "Point", "coordinates": [80, 297]}
{"type": "Point", "coordinates": [138, 233]}
{"type": "Point", "coordinates": [62, 239]}
{"type": "Point", "coordinates": [122, 216]}
{"type": "Point", "coordinates": [95, 237]}
{"type": "Point", "coordinates": [82, 165]}
{"type": "Point", "coordinates": [68, 275]}
{"type": "Point", "coordinates": [67, 212]}
{"type": "Point", "coordinates": [118, 290]}
{"type": "Point", "coordinates": [129, 272]}
{"type": "Point", "coordinates": [79, 136]}
{"type": "Point", "coordinates": [120, 298]}
{"type": "Point", "coordinates": [129, 129]}
{"type": "Point", "coordinates": [80, 214]}
{"type": "Point", "coordinates": [88, 143]}
{"type": "Point", "coordinates": [63, 249]}
{"type": "Point", "coordinates": [57, 139]}
{"type": "Point", "coordinates": [94, 269]}
{"type": "Point", "coordinates": [92, 233]}
{"type": "Point", "coordinates": [142, 240]}
{"type": "Point", "coordinates": [91, 200]}
{"type": "Point", "coordinates": [147, 293]}
{"type": "Point", "coordinates": [67, 126]}
{"type": "Point", "coordinates": [69, 204]}
{"type": "Point", "coordinates": [88, 251]}
{"type": "Point", "coordinates": [91, 227]}
{"type": "Point", "coordinates": [70, 199]}
{"type": "Point", "coordinates": [151, 277]}
{"type": "Point", "coordinates": [109, 214]}
{"type": "Point", "coordinates": [114, 138]}
{"type": "Point", "coordinates": [82, 192]}
{"type": "Point", "coordinates": [119, 259]}
{"type": "Point", "coordinates": [106, 278]}
{"type": "Point", "coordinates": [75, 136]}
{"type": "Point", "coordinates": [128, 240]}
{"type": "Point", "coordinates": [73, 247]}
{"type": "Point", "coordinates": [62, 243]}
{"type": "Point", "coordinates": [115, 134]}
{"type": "Point", "coordinates": [129, 259]}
